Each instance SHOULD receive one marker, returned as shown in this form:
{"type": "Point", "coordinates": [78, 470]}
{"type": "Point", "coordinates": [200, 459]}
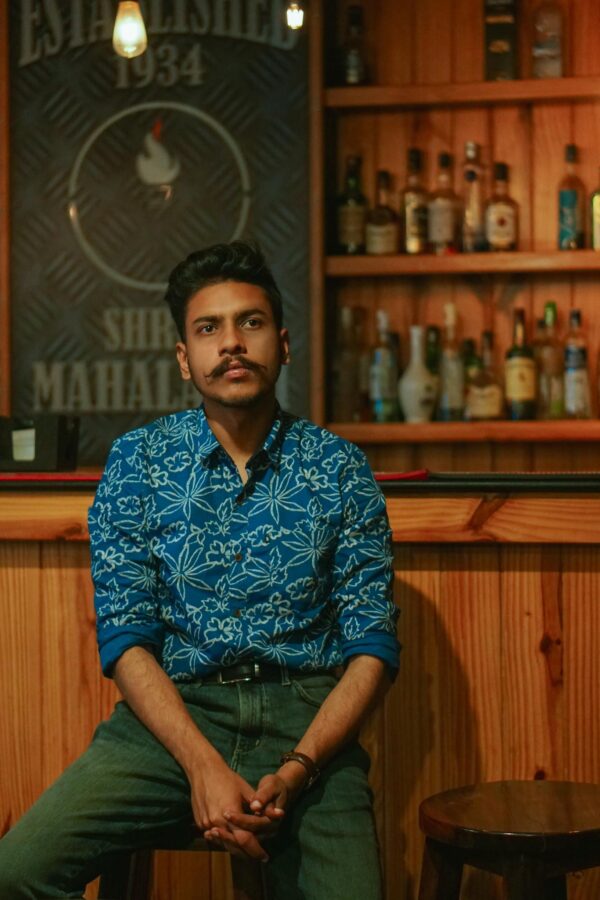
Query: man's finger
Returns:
{"type": "Point", "coordinates": [241, 843]}
{"type": "Point", "coordinates": [250, 822]}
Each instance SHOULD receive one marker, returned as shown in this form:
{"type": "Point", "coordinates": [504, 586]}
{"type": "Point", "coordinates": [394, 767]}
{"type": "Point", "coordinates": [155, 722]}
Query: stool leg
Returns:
{"type": "Point", "coordinates": [524, 881]}
{"type": "Point", "coordinates": [556, 888]}
{"type": "Point", "coordinates": [129, 878]}
{"type": "Point", "coordinates": [441, 873]}
{"type": "Point", "coordinates": [248, 879]}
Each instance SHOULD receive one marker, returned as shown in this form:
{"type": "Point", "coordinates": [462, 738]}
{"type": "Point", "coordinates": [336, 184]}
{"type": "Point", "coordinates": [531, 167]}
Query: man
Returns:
{"type": "Point", "coordinates": [241, 558]}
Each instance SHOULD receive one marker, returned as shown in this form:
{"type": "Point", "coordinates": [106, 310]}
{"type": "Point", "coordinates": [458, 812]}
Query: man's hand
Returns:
{"type": "Point", "coordinates": [274, 794]}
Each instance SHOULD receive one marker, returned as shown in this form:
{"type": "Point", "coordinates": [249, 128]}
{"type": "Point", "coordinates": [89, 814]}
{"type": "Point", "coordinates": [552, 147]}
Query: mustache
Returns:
{"type": "Point", "coordinates": [224, 366]}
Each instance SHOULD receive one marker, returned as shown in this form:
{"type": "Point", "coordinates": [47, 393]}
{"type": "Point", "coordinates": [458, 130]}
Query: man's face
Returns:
{"type": "Point", "coordinates": [233, 351]}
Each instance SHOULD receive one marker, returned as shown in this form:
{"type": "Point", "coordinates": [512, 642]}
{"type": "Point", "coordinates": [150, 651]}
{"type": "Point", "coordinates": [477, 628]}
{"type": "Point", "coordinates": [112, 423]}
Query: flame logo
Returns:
{"type": "Point", "coordinates": [155, 165]}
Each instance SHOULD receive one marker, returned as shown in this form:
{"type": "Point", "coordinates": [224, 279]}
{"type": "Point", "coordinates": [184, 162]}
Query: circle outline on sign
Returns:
{"type": "Point", "coordinates": [88, 249]}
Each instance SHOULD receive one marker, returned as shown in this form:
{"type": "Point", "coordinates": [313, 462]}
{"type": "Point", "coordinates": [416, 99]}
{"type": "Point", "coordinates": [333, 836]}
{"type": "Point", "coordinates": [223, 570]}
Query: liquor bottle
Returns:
{"type": "Point", "coordinates": [433, 349]}
{"type": "Point", "coordinates": [538, 340]}
{"type": "Point", "coordinates": [520, 374]}
{"type": "Point", "coordinates": [571, 203]}
{"type": "Point", "coordinates": [364, 363]}
{"type": "Point", "coordinates": [485, 398]}
{"type": "Point", "coordinates": [577, 382]}
{"type": "Point", "coordinates": [452, 372]}
{"type": "Point", "coordinates": [417, 389]}
{"type": "Point", "coordinates": [354, 69]}
{"type": "Point", "coordinates": [547, 46]}
{"type": "Point", "coordinates": [595, 219]}
{"type": "Point", "coordinates": [551, 368]}
{"type": "Point", "coordinates": [345, 370]}
{"type": "Point", "coordinates": [352, 210]}
{"type": "Point", "coordinates": [471, 360]}
{"type": "Point", "coordinates": [443, 226]}
{"type": "Point", "coordinates": [501, 213]}
{"type": "Point", "coordinates": [473, 227]}
{"type": "Point", "coordinates": [382, 221]}
{"type": "Point", "coordinates": [413, 207]}
{"type": "Point", "coordinates": [383, 373]}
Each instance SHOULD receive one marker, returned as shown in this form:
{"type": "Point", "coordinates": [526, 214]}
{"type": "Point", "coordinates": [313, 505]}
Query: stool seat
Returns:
{"type": "Point", "coordinates": [532, 833]}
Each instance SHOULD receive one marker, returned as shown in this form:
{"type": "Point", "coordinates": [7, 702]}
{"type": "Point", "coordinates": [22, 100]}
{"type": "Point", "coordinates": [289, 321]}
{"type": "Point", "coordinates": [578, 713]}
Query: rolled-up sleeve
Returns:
{"type": "Point", "coordinates": [123, 568]}
{"type": "Point", "coordinates": [363, 567]}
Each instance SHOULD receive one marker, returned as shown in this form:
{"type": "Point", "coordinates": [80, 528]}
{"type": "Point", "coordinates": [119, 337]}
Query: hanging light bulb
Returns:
{"type": "Point", "coordinates": [295, 15]}
{"type": "Point", "coordinates": [129, 34]}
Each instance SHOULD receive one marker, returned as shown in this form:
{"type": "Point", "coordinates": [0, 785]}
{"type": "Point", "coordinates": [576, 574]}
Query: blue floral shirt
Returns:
{"type": "Point", "coordinates": [293, 567]}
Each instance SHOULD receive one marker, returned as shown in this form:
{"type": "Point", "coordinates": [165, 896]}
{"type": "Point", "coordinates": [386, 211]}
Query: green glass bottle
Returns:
{"type": "Point", "coordinates": [520, 374]}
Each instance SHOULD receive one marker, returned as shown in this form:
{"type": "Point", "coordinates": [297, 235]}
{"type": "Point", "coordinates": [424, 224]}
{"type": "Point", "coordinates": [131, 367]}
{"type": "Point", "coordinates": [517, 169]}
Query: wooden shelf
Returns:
{"type": "Point", "coordinates": [474, 94]}
{"type": "Point", "coordinates": [464, 263]}
{"type": "Point", "coordinates": [468, 432]}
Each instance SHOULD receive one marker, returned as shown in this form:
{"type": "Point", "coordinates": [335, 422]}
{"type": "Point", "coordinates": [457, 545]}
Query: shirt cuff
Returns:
{"type": "Point", "coordinates": [132, 636]}
{"type": "Point", "coordinates": [381, 644]}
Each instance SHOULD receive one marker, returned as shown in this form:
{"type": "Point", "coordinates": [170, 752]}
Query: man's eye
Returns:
{"type": "Point", "coordinates": [206, 329]}
{"type": "Point", "coordinates": [253, 322]}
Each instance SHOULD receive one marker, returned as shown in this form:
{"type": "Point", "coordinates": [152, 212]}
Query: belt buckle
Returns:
{"type": "Point", "coordinates": [238, 679]}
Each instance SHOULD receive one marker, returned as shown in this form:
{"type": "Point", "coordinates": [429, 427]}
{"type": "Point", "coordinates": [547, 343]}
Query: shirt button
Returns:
{"type": "Point", "coordinates": [237, 613]}
{"type": "Point", "coordinates": [238, 557]}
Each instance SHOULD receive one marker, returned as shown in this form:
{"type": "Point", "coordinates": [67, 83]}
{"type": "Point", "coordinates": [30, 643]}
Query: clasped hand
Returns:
{"type": "Point", "coordinates": [234, 815]}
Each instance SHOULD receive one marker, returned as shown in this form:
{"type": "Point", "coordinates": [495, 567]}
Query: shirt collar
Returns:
{"type": "Point", "coordinates": [209, 447]}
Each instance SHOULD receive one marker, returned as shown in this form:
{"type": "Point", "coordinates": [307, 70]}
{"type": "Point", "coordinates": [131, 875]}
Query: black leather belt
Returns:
{"type": "Point", "coordinates": [259, 672]}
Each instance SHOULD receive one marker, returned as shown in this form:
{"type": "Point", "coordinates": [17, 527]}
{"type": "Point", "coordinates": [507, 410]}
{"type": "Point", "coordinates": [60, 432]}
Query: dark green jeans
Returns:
{"type": "Point", "coordinates": [126, 791]}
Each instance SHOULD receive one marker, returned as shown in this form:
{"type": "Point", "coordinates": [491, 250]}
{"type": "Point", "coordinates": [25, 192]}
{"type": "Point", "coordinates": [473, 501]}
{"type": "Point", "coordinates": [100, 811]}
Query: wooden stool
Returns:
{"type": "Point", "coordinates": [532, 833]}
{"type": "Point", "coordinates": [130, 878]}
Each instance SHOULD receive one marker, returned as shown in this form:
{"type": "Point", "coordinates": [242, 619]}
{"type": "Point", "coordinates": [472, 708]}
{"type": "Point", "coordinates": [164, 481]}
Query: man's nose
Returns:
{"type": "Point", "coordinates": [232, 340]}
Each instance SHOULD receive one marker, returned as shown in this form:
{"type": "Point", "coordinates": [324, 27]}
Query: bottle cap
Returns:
{"type": "Point", "coordinates": [449, 313]}
{"type": "Point", "coordinates": [500, 171]}
{"type": "Point", "coordinates": [519, 314]}
{"type": "Point", "coordinates": [472, 151]}
{"type": "Point", "coordinates": [444, 160]}
{"type": "Point", "coordinates": [487, 339]}
{"type": "Point", "coordinates": [382, 320]}
{"type": "Point", "coordinates": [383, 179]}
{"type": "Point", "coordinates": [470, 175]}
{"type": "Point", "coordinates": [355, 16]}
{"type": "Point", "coordinates": [433, 333]}
{"type": "Point", "coordinates": [346, 316]}
{"type": "Point", "coordinates": [415, 159]}
{"type": "Point", "coordinates": [571, 153]}
{"type": "Point", "coordinates": [575, 318]}
{"type": "Point", "coordinates": [550, 313]}
{"type": "Point", "coordinates": [353, 162]}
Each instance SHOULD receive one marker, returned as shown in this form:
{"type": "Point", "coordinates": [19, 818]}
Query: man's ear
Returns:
{"type": "Point", "coordinates": [284, 345]}
{"type": "Point", "coordinates": [182, 359]}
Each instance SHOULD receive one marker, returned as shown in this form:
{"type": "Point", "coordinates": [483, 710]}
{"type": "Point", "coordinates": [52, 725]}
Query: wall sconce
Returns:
{"type": "Point", "coordinates": [295, 16]}
{"type": "Point", "coordinates": [129, 34]}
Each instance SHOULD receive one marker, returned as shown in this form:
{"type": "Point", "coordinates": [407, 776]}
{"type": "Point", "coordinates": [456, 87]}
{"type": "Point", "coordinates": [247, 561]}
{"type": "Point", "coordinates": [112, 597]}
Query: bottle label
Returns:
{"type": "Point", "coordinates": [575, 357]}
{"type": "Point", "coordinates": [570, 224]}
{"type": "Point", "coordinates": [501, 226]}
{"type": "Point", "coordinates": [441, 221]}
{"type": "Point", "coordinates": [383, 377]}
{"type": "Point", "coordinates": [520, 378]}
{"type": "Point", "coordinates": [355, 68]}
{"type": "Point", "coordinates": [382, 239]}
{"type": "Point", "coordinates": [415, 218]}
{"type": "Point", "coordinates": [551, 395]}
{"type": "Point", "coordinates": [595, 236]}
{"type": "Point", "coordinates": [484, 402]}
{"type": "Point", "coordinates": [351, 225]}
{"type": "Point", "coordinates": [452, 384]}
{"type": "Point", "coordinates": [577, 393]}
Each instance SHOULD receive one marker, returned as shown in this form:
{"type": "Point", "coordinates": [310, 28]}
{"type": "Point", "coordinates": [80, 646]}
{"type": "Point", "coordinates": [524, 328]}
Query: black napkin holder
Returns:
{"type": "Point", "coordinates": [48, 443]}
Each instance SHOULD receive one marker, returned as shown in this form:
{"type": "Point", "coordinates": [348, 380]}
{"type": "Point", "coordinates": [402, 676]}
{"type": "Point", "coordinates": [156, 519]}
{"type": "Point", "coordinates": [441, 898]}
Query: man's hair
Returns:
{"type": "Point", "coordinates": [240, 261]}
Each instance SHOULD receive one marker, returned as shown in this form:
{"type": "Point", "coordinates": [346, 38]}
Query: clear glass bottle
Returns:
{"type": "Point", "coordinates": [444, 211]}
{"type": "Point", "coordinates": [354, 67]}
{"type": "Point", "coordinates": [551, 368]}
{"type": "Point", "coordinates": [501, 213]}
{"type": "Point", "coordinates": [538, 339]}
{"type": "Point", "coordinates": [352, 210]}
{"type": "Point", "coordinates": [485, 398]}
{"type": "Point", "coordinates": [571, 205]}
{"type": "Point", "coordinates": [595, 218]}
{"type": "Point", "coordinates": [473, 225]}
{"type": "Point", "coordinates": [383, 373]}
{"type": "Point", "coordinates": [520, 374]}
{"type": "Point", "coordinates": [417, 389]}
{"type": "Point", "coordinates": [382, 221]}
{"type": "Point", "coordinates": [413, 207]}
{"type": "Point", "coordinates": [547, 45]}
{"type": "Point", "coordinates": [345, 370]}
{"type": "Point", "coordinates": [577, 380]}
{"type": "Point", "coordinates": [452, 371]}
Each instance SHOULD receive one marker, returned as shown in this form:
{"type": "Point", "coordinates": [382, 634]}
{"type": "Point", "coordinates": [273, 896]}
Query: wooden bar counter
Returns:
{"type": "Point", "coordinates": [498, 581]}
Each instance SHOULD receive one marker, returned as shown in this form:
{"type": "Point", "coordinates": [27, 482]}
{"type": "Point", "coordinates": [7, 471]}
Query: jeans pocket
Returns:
{"type": "Point", "coordinates": [314, 690]}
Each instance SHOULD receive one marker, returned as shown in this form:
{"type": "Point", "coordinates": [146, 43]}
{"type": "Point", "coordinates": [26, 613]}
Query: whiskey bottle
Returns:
{"type": "Point", "coordinates": [383, 374]}
{"type": "Point", "coordinates": [595, 219]}
{"type": "Point", "coordinates": [345, 370]}
{"type": "Point", "coordinates": [352, 210]}
{"type": "Point", "coordinates": [354, 69]}
{"type": "Point", "coordinates": [471, 361]}
{"type": "Point", "coordinates": [571, 203]}
{"type": "Point", "coordinates": [452, 371]}
{"type": "Point", "coordinates": [501, 213]}
{"type": "Point", "coordinates": [485, 398]}
{"type": "Point", "coordinates": [413, 207]}
{"type": "Point", "coordinates": [473, 227]}
{"type": "Point", "coordinates": [550, 361]}
{"type": "Point", "coordinates": [547, 41]}
{"type": "Point", "coordinates": [520, 374]}
{"type": "Point", "coordinates": [577, 382]}
{"type": "Point", "coordinates": [433, 349]}
{"type": "Point", "coordinates": [364, 362]}
{"type": "Point", "coordinates": [417, 389]}
{"type": "Point", "coordinates": [382, 221]}
{"type": "Point", "coordinates": [443, 225]}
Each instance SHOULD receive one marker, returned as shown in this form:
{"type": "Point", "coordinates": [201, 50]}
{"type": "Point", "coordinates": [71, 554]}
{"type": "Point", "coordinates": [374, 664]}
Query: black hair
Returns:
{"type": "Point", "coordinates": [241, 261]}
